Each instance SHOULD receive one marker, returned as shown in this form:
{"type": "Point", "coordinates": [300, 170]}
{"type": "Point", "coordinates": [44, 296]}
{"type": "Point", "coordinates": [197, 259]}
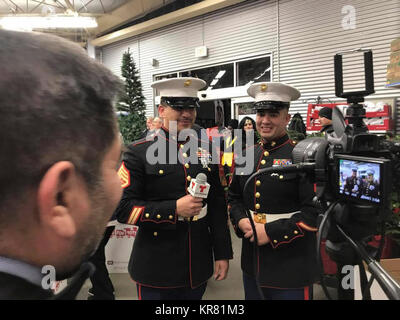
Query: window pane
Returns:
{"type": "Point", "coordinates": [216, 77]}
{"type": "Point", "coordinates": [253, 70]}
{"type": "Point", "coordinates": [166, 76]}
{"type": "Point", "coordinates": [244, 108]}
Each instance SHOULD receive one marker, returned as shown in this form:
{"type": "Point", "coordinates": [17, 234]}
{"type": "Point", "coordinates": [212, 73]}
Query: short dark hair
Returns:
{"type": "Point", "coordinates": [56, 103]}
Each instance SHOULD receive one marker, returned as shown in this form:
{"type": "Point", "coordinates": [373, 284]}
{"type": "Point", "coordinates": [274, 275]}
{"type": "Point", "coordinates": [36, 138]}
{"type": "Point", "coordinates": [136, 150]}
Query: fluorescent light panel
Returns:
{"type": "Point", "coordinates": [49, 22]}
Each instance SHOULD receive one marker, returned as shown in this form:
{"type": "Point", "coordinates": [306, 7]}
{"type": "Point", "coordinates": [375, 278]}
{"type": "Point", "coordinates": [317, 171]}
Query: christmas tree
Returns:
{"type": "Point", "coordinates": [132, 119]}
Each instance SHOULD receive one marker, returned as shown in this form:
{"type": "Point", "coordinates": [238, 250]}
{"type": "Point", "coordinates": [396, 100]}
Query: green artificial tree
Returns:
{"type": "Point", "coordinates": [132, 120]}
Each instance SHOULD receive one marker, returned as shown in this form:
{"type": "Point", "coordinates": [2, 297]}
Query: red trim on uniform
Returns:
{"type": "Point", "coordinates": [180, 154]}
{"type": "Point", "coordinates": [157, 221]}
{"type": "Point", "coordinates": [162, 136]}
{"type": "Point", "coordinates": [306, 227]}
{"type": "Point", "coordinates": [306, 293]}
{"type": "Point", "coordinates": [255, 180]}
{"type": "Point", "coordinates": [283, 242]}
{"type": "Point", "coordinates": [141, 142]}
{"type": "Point", "coordinates": [139, 291]}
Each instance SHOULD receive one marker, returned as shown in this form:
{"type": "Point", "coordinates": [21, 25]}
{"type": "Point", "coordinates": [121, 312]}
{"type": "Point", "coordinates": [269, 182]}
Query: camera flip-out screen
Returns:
{"type": "Point", "coordinates": [361, 178]}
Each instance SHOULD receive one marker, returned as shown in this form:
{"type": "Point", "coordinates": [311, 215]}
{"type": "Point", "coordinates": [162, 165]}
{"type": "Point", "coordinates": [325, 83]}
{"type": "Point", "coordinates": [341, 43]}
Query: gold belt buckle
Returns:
{"type": "Point", "coordinates": [194, 218]}
{"type": "Point", "coordinates": [260, 218]}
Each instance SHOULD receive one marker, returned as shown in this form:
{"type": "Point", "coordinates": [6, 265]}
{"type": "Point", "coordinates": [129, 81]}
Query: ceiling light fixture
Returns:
{"type": "Point", "coordinates": [48, 22]}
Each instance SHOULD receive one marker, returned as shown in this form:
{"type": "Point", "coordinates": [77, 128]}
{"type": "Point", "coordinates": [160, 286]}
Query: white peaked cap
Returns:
{"type": "Point", "coordinates": [273, 91]}
{"type": "Point", "coordinates": [179, 87]}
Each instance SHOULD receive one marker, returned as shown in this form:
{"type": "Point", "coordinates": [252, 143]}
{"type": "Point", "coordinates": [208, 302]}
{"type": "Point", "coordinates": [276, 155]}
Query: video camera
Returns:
{"type": "Point", "coordinates": [353, 172]}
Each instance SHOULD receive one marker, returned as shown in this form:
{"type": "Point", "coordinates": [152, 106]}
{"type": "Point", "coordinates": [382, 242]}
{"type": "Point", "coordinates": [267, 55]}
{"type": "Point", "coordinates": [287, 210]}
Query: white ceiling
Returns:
{"type": "Point", "coordinates": [107, 12]}
{"type": "Point", "coordinates": [94, 7]}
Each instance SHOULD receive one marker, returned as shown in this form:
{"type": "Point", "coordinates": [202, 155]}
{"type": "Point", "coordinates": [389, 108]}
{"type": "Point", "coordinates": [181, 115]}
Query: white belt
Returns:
{"type": "Point", "coordinates": [266, 218]}
{"type": "Point", "coordinates": [201, 215]}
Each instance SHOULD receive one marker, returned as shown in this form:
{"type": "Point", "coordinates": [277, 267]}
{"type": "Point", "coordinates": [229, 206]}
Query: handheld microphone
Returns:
{"type": "Point", "coordinates": [199, 187]}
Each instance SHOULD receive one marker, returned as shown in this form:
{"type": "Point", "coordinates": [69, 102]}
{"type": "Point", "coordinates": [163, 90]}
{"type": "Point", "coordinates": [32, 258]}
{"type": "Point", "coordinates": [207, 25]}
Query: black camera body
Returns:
{"type": "Point", "coordinates": [354, 172]}
{"type": "Point", "coordinates": [350, 148]}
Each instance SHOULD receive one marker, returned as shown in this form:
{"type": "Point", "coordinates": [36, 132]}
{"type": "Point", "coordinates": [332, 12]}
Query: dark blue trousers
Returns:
{"type": "Point", "coordinates": [186, 293]}
{"type": "Point", "coordinates": [251, 292]}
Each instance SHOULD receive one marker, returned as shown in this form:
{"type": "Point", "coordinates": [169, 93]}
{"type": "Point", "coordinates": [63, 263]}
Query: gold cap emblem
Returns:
{"type": "Point", "coordinates": [187, 83]}
{"type": "Point", "coordinates": [264, 87]}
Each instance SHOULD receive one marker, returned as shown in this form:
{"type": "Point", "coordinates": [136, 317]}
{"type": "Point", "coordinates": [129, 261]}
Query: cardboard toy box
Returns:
{"type": "Point", "coordinates": [395, 45]}
{"type": "Point", "coordinates": [395, 57]}
{"type": "Point", "coordinates": [393, 73]}
{"type": "Point", "coordinates": [391, 266]}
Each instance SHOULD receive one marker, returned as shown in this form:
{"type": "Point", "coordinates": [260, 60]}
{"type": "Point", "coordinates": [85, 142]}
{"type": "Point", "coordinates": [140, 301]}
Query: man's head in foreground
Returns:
{"type": "Point", "coordinates": [59, 151]}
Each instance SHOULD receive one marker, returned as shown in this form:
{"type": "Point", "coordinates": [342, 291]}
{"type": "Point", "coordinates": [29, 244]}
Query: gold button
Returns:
{"type": "Point", "coordinates": [195, 218]}
{"type": "Point", "coordinates": [184, 155]}
{"type": "Point", "coordinates": [281, 177]}
{"type": "Point", "coordinates": [273, 143]}
{"type": "Point", "coordinates": [188, 178]}
{"type": "Point", "coordinates": [158, 216]}
{"type": "Point", "coordinates": [295, 232]}
{"type": "Point", "coordinates": [286, 237]}
{"type": "Point", "coordinates": [181, 146]}
{"type": "Point", "coordinates": [263, 162]}
{"type": "Point", "coordinates": [258, 206]}
{"type": "Point", "coordinates": [187, 165]}
{"type": "Point", "coordinates": [266, 154]}
{"type": "Point", "coordinates": [161, 172]}
{"type": "Point", "coordinates": [209, 169]}
{"type": "Point", "coordinates": [258, 183]}
{"type": "Point", "coordinates": [275, 241]}
{"type": "Point", "coordinates": [147, 215]}
{"type": "Point", "coordinates": [155, 234]}
{"type": "Point", "coordinates": [294, 142]}
{"type": "Point", "coordinates": [171, 217]}
{"type": "Point", "coordinates": [257, 194]}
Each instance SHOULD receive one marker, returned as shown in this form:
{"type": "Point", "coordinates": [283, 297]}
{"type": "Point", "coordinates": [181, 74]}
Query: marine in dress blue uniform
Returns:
{"type": "Point", "coordinates": [281, 206]}
{"type": "Point", "coordinates": [173, 255]}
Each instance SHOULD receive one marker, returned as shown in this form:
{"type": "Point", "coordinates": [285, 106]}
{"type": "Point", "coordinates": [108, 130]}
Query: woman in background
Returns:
{"type": "Point", "coordinates": [248, 127]}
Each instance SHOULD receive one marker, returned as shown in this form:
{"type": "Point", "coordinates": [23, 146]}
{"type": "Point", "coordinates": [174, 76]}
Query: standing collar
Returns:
{"type": "Point", "coordinates": [174, 136]}
{"type": "Point", "coordinates": [274, 143]}
{"type": "Point", "coordinates": [22, 270]}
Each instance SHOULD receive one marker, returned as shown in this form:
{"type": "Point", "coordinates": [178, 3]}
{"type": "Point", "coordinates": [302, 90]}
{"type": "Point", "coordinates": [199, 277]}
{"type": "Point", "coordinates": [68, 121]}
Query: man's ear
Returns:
{"type": "Point", "coordinates": [288, 117]}
{"type": "Point", "coordinates": [56, 199]}
{"type": "Point", "coordinates": [161, 109]}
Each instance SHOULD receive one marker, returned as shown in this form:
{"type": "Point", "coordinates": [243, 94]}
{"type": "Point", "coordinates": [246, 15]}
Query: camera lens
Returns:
{"type": "Point", "coordinates": [310, 150]}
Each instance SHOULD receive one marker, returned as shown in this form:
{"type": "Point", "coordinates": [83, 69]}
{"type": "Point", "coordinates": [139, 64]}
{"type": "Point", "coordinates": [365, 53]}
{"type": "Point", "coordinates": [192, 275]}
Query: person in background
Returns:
{"type": "Point", "coordinates": [149, 123]}
{"type": "Point", "coordinates": [247, 124]}
{"type": "Point", "coordinates": [233, 124]}
{"type": "Point", "coordinates": [157, 123]}
{"type": "Point", "coordinates": [248, 127]}
{"type": "Point", "coordinates": [60, 150]}
{"type": "Point", "coordinates": [325, 119]}
{"type": "Point", "coordinates": [280, 205]}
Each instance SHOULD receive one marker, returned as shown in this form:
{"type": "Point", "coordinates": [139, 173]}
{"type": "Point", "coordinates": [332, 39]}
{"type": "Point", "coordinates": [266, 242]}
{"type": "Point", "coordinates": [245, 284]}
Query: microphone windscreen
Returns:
{"type": "Point", "coordinates": [201, 178]}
